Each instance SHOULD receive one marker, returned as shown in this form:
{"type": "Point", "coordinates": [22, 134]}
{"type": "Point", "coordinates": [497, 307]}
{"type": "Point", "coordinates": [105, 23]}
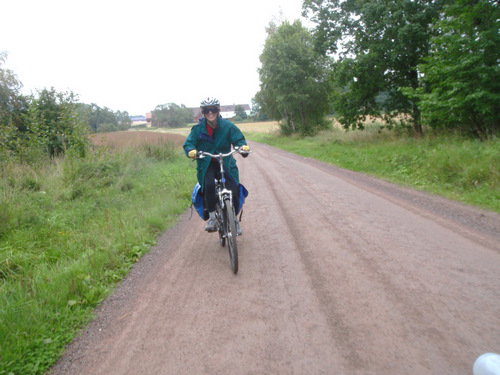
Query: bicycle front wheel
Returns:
{"type": "Point", "coordinates": [230, 225]}
{"type": "Point", "coordinates": [221, 217]}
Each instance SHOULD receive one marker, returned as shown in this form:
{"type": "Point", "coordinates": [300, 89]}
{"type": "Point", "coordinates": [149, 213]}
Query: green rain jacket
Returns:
{"type": "Point", "coordinates": [225, 135]}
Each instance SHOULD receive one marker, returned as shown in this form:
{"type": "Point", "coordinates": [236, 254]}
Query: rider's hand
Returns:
{"type": "Point", "coordinates": [245, 150]}
{"type": "Point", "coordinates": [192, 154]}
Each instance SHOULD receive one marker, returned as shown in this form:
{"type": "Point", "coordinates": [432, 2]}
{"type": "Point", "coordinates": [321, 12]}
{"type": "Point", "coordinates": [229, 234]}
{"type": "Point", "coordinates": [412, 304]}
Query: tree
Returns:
{"type": "Point", "coordinates": [104, 119]}
{"type": "Point", "coordinates": [379, 44]}
{"type": "Point", "coordinates": [239, 111]}
{"type": "Point", "coordinates": [256, 111]}
{"type": "Point", "coordinates": [12, 104]}
{"type": "Point", "coordinates": [54, 124]}
{"type": "Point", "coordinates": [98, 118]}
{"type": "Point", "coordinates": [461, 84]}
{"type": "Point", "coordinates": [51, 127]}
{"type": "Point", "coordinates": [171, 115]}
{"type": "Point", "coordinates": [35, 127]}
{"type": "Point", "coordinates": [294, 81]}
{"type": "Point", "coordinates": [124, 121]}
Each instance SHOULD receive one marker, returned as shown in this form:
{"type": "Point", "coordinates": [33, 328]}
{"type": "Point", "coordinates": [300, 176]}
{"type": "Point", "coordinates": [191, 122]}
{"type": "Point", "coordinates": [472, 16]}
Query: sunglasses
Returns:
{"type": "Point", "coordinates": [206, 111]}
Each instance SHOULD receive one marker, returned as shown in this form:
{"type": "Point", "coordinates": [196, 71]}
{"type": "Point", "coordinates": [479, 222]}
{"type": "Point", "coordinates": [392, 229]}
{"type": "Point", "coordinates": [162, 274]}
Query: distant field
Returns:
{"type": "Point", "coordinates": [178, 135]}
{"type": "Point", "coordinates": [250, 127]}
{"type": "Point", "coordinates": [259, 127]}
{"type": "Point", "coordinates": [133, 138]}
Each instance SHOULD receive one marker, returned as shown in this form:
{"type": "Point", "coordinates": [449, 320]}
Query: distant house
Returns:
{"type": "Point", "coordinates": [141, 119]}
{"type": "Point", "coordinates": [137, 118]}
{"type": "Point", "coordinates": [226, 111]}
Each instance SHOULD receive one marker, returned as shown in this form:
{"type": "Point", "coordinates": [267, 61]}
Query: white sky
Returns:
{"type": "Point", "coordinates": [133, 55]}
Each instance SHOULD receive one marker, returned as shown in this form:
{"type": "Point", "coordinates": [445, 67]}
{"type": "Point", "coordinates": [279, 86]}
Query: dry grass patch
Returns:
{"type": "Point", "coordinates": [245, 127]}
{"type": "Point", "coordinates": [259, 127]}
{"type": "Point", "coordinates": [134, 138]}
{"type": "Point", "coordinates": [177, 135]}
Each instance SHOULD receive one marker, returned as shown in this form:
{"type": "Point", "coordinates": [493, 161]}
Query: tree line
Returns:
{"type": "Point", "coordinates": [49, 123]}
{"type": "Point", "coordinates": [172, 115]}
{"type": "Point", "coordinates": [413, 63]}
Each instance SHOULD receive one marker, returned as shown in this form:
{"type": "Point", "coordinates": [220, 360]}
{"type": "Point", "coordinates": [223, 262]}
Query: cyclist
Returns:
{"type": "Point", "coordinates": [215, 135]}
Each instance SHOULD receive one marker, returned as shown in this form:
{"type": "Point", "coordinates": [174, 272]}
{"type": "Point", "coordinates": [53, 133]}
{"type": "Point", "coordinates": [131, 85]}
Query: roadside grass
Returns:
{"type": "Point", "coordinates": [69, 231]}
{"type": "Point", "coordinates": [458, 168]}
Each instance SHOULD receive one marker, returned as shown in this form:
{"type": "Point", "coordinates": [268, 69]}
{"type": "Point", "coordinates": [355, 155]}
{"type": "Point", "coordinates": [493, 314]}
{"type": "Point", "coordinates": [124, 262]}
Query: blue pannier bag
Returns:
{"type": "Point", "coordinates": [243, 195]}
{"type": "Point", "coordinates": [197, 200]}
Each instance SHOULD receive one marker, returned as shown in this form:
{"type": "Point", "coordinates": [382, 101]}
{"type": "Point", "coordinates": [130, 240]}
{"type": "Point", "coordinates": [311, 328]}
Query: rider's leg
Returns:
{"type": "Point", "coordinates": [209, 194]}
{"type": "Point", "coordinates": [209, 185]}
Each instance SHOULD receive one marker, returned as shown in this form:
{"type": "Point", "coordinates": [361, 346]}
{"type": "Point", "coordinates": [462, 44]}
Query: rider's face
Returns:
{"type": "Point", "coordinates": [211, 116]}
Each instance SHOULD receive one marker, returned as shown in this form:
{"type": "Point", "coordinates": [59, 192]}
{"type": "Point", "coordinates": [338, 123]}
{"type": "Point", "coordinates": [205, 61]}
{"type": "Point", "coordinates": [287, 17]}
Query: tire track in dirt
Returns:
{"type": "Point", "coordinates": [410, 307]}
{"type": "Point", "coordinates": [335, 321]}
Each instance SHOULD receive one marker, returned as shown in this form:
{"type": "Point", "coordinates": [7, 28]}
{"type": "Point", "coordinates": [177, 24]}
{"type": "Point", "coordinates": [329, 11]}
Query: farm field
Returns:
{"type": "Point", "coordinates": [259, 127]}
{"type": "Point", "coordinates": [135, 137]}
{"type": "Point", "coordinates": [250, 127]}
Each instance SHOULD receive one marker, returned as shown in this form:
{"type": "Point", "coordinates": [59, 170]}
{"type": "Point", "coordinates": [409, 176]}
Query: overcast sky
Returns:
{"type": "Point", "coordinates": [134, 55]}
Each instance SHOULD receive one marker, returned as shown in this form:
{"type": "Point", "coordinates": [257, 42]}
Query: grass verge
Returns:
{"type": "Point", "coordinates": [69, 231]}
{"type": "Point", "coordinates": [458, 168]}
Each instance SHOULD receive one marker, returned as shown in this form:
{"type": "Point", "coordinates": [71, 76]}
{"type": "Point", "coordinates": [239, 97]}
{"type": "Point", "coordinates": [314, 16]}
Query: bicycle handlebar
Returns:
{"type": "Point", "coordinates": [202, 154]}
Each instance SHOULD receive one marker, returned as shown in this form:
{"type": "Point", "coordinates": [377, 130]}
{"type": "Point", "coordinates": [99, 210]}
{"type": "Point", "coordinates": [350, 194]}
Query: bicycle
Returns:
{"type": "Point", "coordinates": [225, 212]}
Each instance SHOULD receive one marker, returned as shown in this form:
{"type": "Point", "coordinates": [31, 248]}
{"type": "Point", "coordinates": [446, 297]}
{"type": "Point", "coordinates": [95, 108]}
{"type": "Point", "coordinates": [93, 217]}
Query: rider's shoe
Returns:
{"type": "Point", "coordinates": [212, 225]}
{"type": "Point", "coordinates": [238, 228]}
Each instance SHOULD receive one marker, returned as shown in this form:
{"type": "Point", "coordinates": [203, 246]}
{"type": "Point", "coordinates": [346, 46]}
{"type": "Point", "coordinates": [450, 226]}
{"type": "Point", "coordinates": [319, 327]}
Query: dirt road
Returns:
{"type": "Point", "coordinates": [339, 274]}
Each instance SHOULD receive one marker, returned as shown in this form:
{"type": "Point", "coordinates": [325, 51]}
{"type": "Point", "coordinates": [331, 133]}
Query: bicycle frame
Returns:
{"type": "Point", "coordinates": [225, 212]}
{"type": "Point", "coordinates": [222, 192]}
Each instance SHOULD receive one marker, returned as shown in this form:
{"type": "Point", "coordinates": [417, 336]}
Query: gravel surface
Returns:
{"type": "Point", "coordinates": [340, 273]}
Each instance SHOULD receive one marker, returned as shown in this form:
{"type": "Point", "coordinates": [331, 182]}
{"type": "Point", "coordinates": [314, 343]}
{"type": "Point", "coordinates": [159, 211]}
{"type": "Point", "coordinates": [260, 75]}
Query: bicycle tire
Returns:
{"type": "Point", "coordinates": [230, 225]}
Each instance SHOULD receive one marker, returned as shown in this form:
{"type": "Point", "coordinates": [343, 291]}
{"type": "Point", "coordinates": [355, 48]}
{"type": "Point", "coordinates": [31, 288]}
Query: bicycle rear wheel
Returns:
{"type": "Point", "coordinates": [230, 225]}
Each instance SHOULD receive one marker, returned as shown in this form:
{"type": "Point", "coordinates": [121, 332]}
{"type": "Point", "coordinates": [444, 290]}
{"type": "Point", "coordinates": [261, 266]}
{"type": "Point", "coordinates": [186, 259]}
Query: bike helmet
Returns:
{"type": "Point", "coordinates": [210, 102]}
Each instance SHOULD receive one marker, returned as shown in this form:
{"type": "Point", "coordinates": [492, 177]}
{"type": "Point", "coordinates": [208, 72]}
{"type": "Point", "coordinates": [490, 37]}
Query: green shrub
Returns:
{"type": "Point", "coordinates": [69, 233]}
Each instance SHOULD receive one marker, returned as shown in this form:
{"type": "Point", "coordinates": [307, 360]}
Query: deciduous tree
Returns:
{"type": "Point", "coordinates": [256, 111]}
{"type": "Point", "coordinates": [461, 85]}
{"type": "Point", "coordinates": [55, 124]}
{"type": "Point", "coordinates": [171, 115]}
{"type": "Point", "coordinates": [294, 81]}
{"type": "Point", "coordinates": [12, 103]}
{"type": "Point", "coordinates": [239, 111]}
{"type": "Point", "coordinates": [104, 119]}
{"type": "Point", "coordinates": [379, 45]}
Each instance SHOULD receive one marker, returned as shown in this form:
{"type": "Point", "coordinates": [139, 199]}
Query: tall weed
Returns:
{"type": "Point", "coordinates": [71, 229]}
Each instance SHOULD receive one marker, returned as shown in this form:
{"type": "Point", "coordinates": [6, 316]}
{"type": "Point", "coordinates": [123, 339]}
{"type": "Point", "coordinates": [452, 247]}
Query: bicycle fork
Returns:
{"type": "Point", "coordinates": [223, 195]}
